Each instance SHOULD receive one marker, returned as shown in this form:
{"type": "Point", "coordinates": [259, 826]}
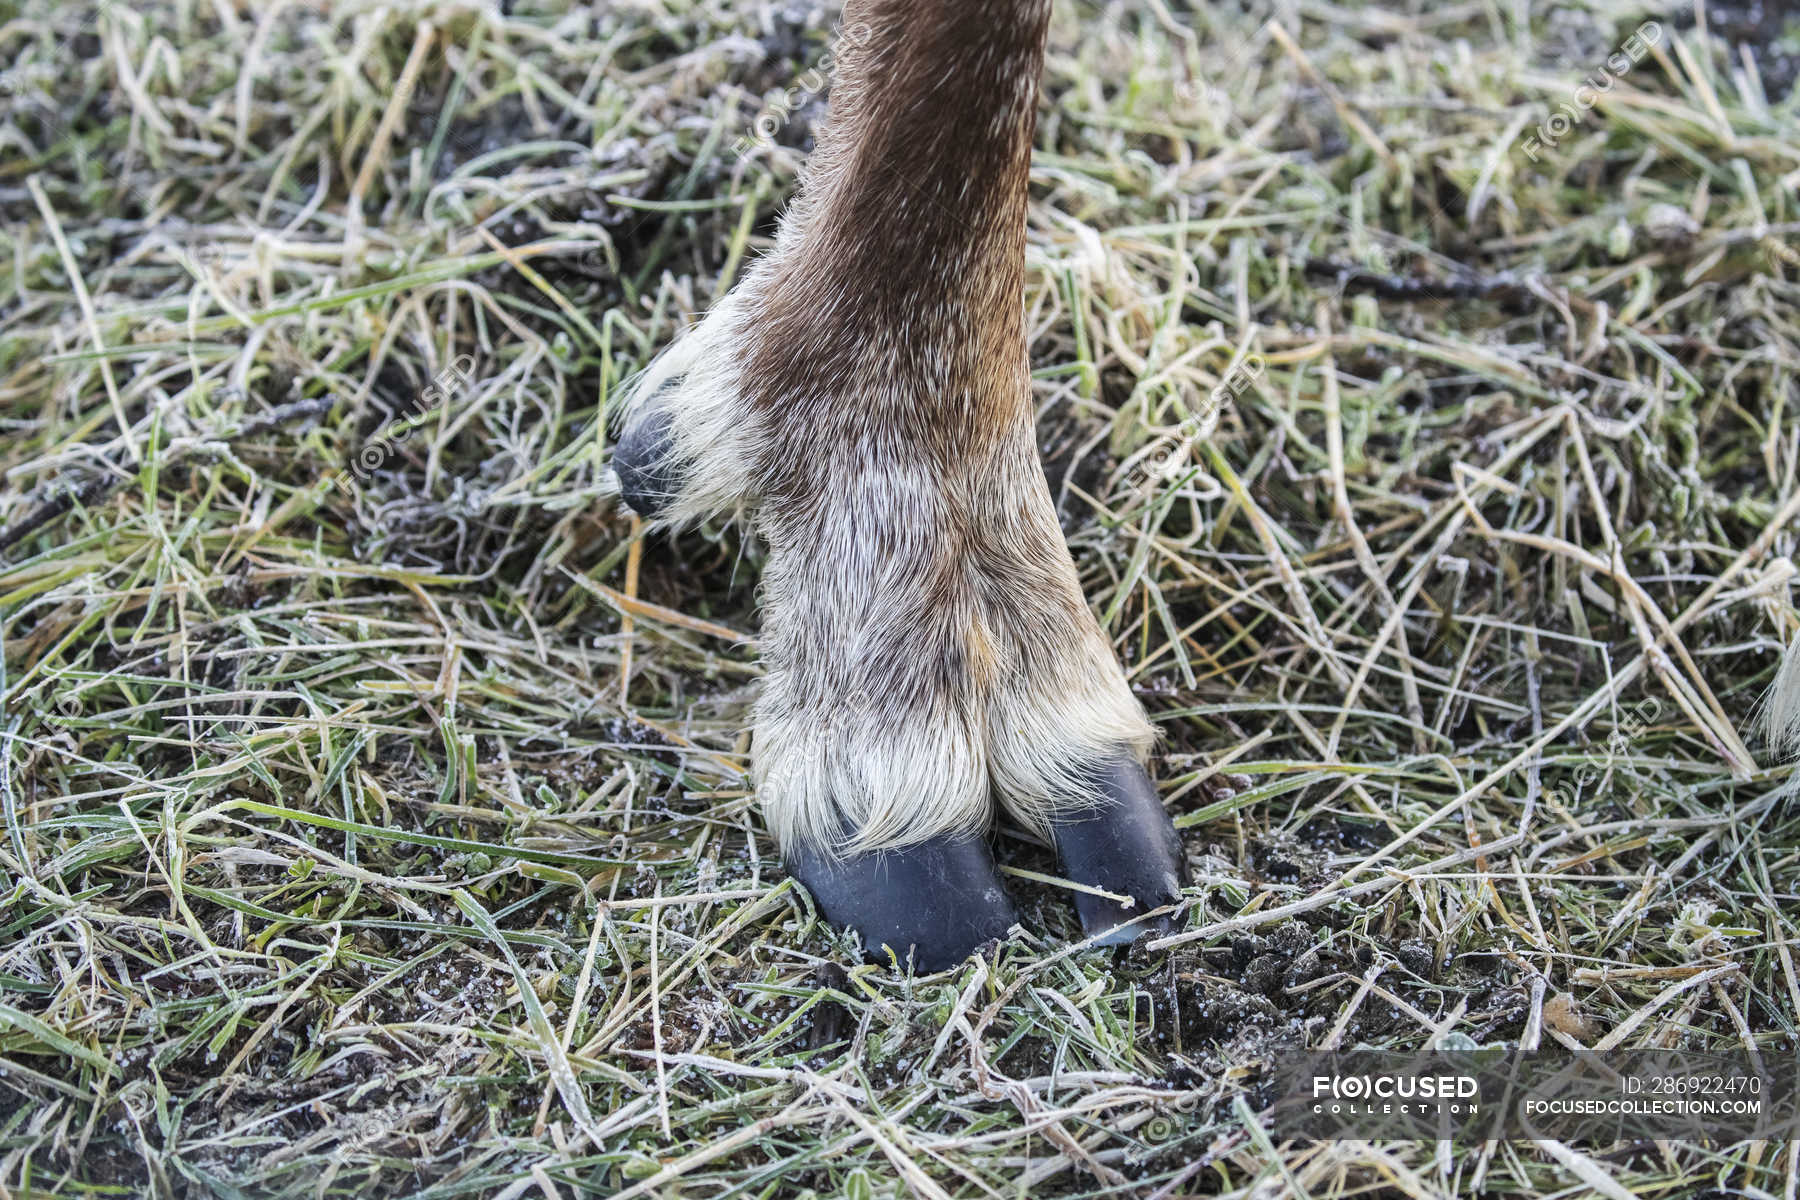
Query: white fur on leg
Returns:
{"type": "Point", "coordinates": [696, 381]}
{"type": "Point", "coordinates": [1049, 729]}
{"type": "Point", "coordinates": [921, 664]}
{"type": "Point", "coordinates": [869, 730]}
{"type": "Point", "coordinates": [869, 782]}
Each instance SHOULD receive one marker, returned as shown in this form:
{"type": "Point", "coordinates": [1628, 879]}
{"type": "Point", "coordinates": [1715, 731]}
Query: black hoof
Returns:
{"type": "Point", "coordinates": [1125, 844]}
{"type": "Point", "coordinates": [938, 900]}
{"type": "Point", "coordinates": [645, 464]}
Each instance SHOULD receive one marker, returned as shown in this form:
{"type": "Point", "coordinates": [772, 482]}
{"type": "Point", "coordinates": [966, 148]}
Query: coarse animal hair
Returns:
{"type": "Point", "coordinates": [864, 392]}
{"type": "Point", "coordinates": [1778, 713]}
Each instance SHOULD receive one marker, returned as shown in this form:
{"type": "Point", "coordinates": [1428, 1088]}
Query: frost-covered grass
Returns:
{"type": "Point", "coordinates": [375, 809]}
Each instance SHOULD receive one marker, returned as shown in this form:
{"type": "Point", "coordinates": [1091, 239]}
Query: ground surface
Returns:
{"type": "Point", "coordinates": [375, 826]}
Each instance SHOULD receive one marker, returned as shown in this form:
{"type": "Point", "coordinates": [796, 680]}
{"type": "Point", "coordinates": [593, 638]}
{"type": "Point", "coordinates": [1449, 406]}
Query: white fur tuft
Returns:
{"type": "Point", "coordinates": [1778, 719]}
{"type": "Point", "coordinates": [696, 381]}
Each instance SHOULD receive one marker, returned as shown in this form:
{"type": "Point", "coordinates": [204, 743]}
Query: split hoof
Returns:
{"type": "Point", "coordinates": [938, 900]}
{"type": "Point", "coordinates": [1125, 844]}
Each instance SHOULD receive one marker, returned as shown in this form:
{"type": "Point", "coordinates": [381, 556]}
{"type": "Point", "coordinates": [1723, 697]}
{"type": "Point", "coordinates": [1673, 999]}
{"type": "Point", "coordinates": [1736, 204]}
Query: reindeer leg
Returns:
{"type": "Point", "coordinates": [865, 391]}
